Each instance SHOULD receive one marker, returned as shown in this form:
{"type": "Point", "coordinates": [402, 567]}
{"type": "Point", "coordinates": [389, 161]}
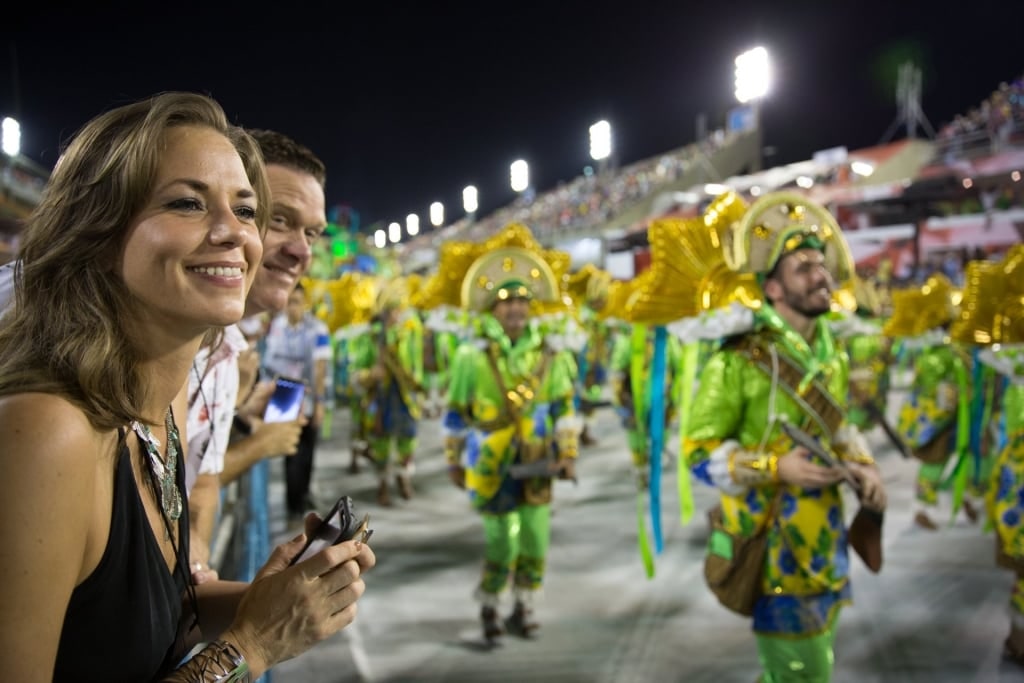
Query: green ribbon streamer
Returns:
{"type": "Point", "coordinates": [963, 436]}
{"type": "Point", "coordinates": [637, 360]}
{"type": "Point", "coordinates": [646, 556]}
{"type": "Point", "coordinates": [689, 375]}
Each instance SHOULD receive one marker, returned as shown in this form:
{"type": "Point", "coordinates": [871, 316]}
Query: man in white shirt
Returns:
{"type": "Point", "coordinates": [298, 218]}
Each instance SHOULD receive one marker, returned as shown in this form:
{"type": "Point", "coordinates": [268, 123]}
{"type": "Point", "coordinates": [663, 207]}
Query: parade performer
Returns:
{"type": "Point", "coordinates": [387, 361]}
{"type": "Point", "coordinates": [933, 420]}
{"type": "Point", "coordinates": [870, 357]}
{"type": "Point", "coordinates": [631, 395]}
{"type": "Point", "coordinates": [353, 299]}
{"type": "Point", "coordinates": [1006, 508]}
{"type": "Point", "coordinates": [510, 428]}
{"type": "Point", "coordinates": [787, 369]}
{"type": "Point", "coordinates": [689, 298]}
{"type": "Point", "coordinates": [994, 320]}
{"type": "Point", "coordinates": [594, 358]}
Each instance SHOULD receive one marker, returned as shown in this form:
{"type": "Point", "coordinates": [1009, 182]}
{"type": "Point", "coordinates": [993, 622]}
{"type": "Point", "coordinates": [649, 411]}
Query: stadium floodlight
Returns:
{"type": "Point", "coordinates": [753, 75]}
{"type": "Point", "coordinates": [412, 224]}
{"type": "Point", "coordinates": [600, 140]}
{"type": "Point", "coordinates": [520, 174]}
{"type": "Point", "coordinates": [862, 168]}
{"type": "Point", "coordinates": [469, 199]}
{"type": "Point", "coordinates": [11, 137]}
{"type": "Point", "coordinates": [437, 214]}
{"type": "Point", "coordinates": [380, 238]}
{"type": "Point", "coordinates": [395, 232]}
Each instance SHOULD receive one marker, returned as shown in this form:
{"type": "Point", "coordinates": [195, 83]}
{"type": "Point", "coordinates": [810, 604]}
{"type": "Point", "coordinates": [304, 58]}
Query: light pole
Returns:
{"type": "Point", "coordinates": [380, 238]}
{"type": "Point", "coordinates": [469, 201]}
{"type": "Point", "coordinates": [601, 143]}
{"type": "Point", "coordinates": [753, 81]}
{"type": "Point", "coordinates": [437, 214]}
{"type": "Point", "coordinates": [395, 233]}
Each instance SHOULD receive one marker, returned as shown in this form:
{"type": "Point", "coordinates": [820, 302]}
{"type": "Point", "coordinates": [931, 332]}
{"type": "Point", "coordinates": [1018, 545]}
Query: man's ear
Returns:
{"type": "Point", "coordinates": [772, 289]}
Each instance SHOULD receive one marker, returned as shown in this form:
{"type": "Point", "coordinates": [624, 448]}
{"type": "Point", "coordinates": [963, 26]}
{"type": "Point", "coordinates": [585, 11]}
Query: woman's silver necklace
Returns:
{"type": "Point", "coordinates": [170, 496]}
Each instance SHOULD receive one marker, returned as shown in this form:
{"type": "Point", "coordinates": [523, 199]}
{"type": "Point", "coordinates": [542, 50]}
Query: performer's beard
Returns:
{"type": "Point", "coordinates": [813, 303]}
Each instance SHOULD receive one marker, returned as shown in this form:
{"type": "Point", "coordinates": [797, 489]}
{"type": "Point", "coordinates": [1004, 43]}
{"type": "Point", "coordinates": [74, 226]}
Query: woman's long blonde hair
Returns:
{"type": "Point", "coordinates": [67, 331]}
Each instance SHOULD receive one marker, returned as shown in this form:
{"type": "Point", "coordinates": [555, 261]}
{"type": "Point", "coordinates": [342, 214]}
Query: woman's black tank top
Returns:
{"type": "Point", "coordinates": [122, 621]}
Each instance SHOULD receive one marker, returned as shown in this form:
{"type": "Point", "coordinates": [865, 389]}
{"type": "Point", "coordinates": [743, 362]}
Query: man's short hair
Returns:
{"type": "Point", "coordinates": [280, 149]}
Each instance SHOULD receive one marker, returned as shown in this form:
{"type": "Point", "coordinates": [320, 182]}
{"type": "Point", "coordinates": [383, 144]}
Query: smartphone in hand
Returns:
{"type": "Point", "coordinates": [285, 403]}
{"type": "Point", "coordinates": [339, 525]}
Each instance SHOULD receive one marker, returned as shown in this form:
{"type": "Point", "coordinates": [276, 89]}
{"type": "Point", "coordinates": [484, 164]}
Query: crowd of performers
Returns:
{"type": "Point", "coordinates": [753, 338]}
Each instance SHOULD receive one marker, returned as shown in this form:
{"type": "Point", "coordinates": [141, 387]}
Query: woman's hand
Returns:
{"type": "Point", "coordinates": [286, 610]}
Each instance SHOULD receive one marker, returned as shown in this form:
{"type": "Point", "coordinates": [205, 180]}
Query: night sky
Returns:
{"type": "Point", "coordinates": [409, 102]}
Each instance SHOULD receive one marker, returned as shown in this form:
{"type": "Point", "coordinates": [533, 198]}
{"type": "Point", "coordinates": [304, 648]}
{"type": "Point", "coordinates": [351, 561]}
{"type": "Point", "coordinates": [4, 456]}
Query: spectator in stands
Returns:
{"type": "Point", "coordinates": [587, 200]}
{"type": "Point", "coordinates": [989, 127]}
{"type": "Point", "coordinates": [146, 239]}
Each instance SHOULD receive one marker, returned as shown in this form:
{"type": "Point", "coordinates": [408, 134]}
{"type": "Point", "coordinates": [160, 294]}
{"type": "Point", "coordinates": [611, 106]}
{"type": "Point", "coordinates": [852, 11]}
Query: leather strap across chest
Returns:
{"type": "Point", "coordinates": [517, 398]}
{"type": "Point", "coordinates": [821, 411]}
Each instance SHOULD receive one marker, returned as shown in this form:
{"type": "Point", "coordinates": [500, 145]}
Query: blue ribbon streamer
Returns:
{"type": "Point", "coordinates": [582, 369]}
{"type": "Point", "coordinates": [977, 412]}
{"type": "Point", "coordinates": [656, 418]}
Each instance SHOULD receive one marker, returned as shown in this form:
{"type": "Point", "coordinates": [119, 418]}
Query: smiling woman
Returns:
{"type": "Point", "coordinates": [147, 238]}
{"type": "Point", "coordinates": [192, 251]}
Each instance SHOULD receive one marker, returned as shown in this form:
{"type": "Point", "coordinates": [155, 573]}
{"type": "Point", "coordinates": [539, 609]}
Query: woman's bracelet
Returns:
{"type": "Point", "coordinates": [218, 662]}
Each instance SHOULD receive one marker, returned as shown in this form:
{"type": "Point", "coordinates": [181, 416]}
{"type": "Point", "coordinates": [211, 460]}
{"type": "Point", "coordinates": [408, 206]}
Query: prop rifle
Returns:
{"type": "Point", "coordinates": [901, 446]}
{"type": "Point", "coordinates": [865, 533]}
{"type": "Point", "coordinates": [547, 467]}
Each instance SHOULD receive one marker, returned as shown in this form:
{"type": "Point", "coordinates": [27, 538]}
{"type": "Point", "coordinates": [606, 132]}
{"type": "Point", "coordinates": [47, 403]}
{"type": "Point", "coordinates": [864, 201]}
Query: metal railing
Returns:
{"type": "Point", "coordinates": [982, 142]}
{"type": "Point", "coordinates": [241, 541]}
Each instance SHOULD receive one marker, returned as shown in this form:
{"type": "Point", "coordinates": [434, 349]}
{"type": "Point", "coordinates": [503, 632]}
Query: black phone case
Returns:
{"type": "Point", "coordinates": [347, 518]}
{"type": "Point", "coordinates": [348, 524]}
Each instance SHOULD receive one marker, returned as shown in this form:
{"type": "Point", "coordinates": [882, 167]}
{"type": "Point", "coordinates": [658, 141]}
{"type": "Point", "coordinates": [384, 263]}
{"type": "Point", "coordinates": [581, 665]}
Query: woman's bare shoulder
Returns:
{"type": "Point", "coordinates": [54, 515]}
{"type": "Point", "coordinates": [51, 425]}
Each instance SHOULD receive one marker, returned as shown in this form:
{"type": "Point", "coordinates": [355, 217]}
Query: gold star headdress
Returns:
{"type": "Point", "coordinates": [921, 309]}
{"type": "Point", "coordinates": [992, 310]}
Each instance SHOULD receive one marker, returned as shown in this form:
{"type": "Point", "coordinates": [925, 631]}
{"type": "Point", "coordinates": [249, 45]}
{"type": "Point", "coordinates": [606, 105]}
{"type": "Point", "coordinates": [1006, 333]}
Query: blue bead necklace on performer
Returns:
{"type": "Point", "coordinates": [170, 496]}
